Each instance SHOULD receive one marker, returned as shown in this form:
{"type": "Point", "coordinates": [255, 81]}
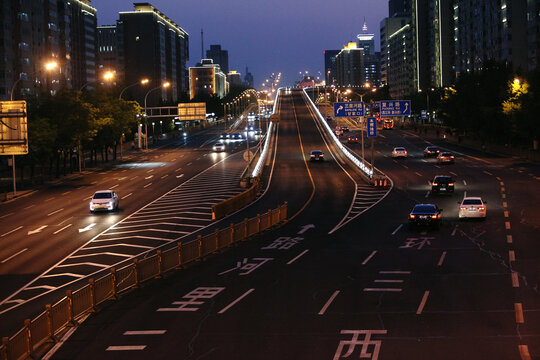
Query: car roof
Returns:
{"type": "Point", "coordinates": [316, 151]}
{"type": "Point", "coordinates": [472, 198]}
{"type": "Point", "coordinates": [443, 177]}
{"type": "Point", "coordinates": [432, 147]}
{"type": "Point", "coordinates": [104, 191]}
{"type": "Point", "coordinates": [399, 148]}
{"type": "Point", "coordinates": [446, 153]}
{"type": "Point", "coordinates": [219, 143]}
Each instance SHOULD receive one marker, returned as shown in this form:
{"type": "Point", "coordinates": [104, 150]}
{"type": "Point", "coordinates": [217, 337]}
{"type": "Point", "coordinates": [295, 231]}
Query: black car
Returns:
{"type": "Point", "coordinates": [442, 184]}
{"type": "Point", "coordinates": [316, 155]}
{"type": "Point", "coordinates": [431, 151]}
{"type": "Point", "coordinates": [224, 135]}
{"type": "Point", "coordinates": [344, 128]}
{"type": "Point", "coordinates": [428, 215]}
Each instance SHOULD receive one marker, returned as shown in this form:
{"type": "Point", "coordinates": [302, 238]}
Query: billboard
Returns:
{"type": "Point", "coordinates": [191, 111]}
{"type": "Point", "coordinates": [13, 128]}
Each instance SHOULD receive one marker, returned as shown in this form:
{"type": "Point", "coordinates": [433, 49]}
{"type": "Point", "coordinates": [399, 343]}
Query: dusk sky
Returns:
{"type": "Point", "coordinates": [285, 36]}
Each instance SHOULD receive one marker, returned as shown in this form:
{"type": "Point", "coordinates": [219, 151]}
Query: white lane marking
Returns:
{"type": "Point", "coordinates": [12, 256]}
{"type": "Point", "coordinates": [422, 303]}
{"type": "Point", "coordinates": [9, 232]}
{"type": "Point", "coordinates": [3, 216]}
{"type": "Point", "coordinates": [145, 332]}
{"type": "Point", "coordinates": [64, 228]}
{"type": "Point", "coordinates": [427, 194]}
{"type": "Point", "coordinates": [453, 173]}
{"type": "Point", "coordinates": [509, 239]}
{"type": "Point", "coordinates": [28, 207]}
{"type": "Point", "coordinates": [417, 173]}
{"type": "Point", "coordinates": [507, 225]}
{"type": "Point", "coordinates": [405, 166]}
{"type": "Point", "coordinates": [54, 212]}
{"type": "Point", "coordinates": [112, 187]}
{"type": "Point", "coordinates": [149, 177]}
{"type": "Point", "coordinates": [498, 178]}
{"type": "Point", "coordinates": [394, 272]}
{"type": "Point", "coordinates": [511, 255]}
{"type": "Point", "coordinates": [188, 164]}
{"type": "Point", "coordinates": [67, 192]}
{"type": "Point", "coordinates": [164, 176]}
{"type": "Point", "coordinates": [128, 195]}
{"type": "Point", "coordinates": [443, 256]}
{"type": "Point", "coordinates": [49, 199]}
{"type": "Point", "coordinates": [397, 229]}
{"type": "Point", "coordinates": [524, 352]}
{"type": "Point", "coordinates": [518, 308]}
{"type": "Point", "coordinates": [464, 194]}
{"type": "Point", "coordinates": [388, 281]}
{"type": "Point", "coordinates": [87, 228]}
{"type": "Point", "coordinates": [515, 279]}
{"type": "Point", "coordinates": [149, 171]}
{"type": "Point", "coordinates": [38, 230]}
{"type": "Point", "coordinates": [147, 185]}
{"type": "Point", "coordinates": [369, 257]}
{"type": "Point", "coordinates": [126, 348]}
{"type": "Point", "coordinates": [506, 214]}
{"type": "Point", "coordinates": [88, 198]}
{"type": "Point", "coordinates": [464, 183]}
{"type": "Point", "coordinates": [235, 301]}
{"type": "Point", "coordinates": [454, 231]}
{"type": "Point", "coordinates": [382, 289]}
{"type": "Point", "coordinates": [487, 172]}
{"type": "Point", "coordinates": [323, 310]}
{"type": "Point", "coordinates": [437, 166]}
{"type": "Point", "coordinates": [501, 183]}
{"type": "Point", "coordinates": [505, 204]}
{"type": "Point", "coordinates": [177, 170]}
{"type": "Point", "coordinates": [133, 178]}
{"type": "Point", "coordinates": [296, 258]}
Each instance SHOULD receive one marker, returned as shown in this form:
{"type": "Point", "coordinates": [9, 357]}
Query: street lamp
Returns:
{"type": "Point", "coordinates": [49, 66]}
{"type": "Point", "coordinates": [164, 85]}
{"type": "Point", "coordinates": [142, 82]}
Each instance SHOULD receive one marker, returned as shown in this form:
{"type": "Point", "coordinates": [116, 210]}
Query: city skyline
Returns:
{"type": "Point", "coordinates": [261, 48]}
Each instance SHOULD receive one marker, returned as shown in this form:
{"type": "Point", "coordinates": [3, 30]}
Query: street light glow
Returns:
{"type": "Point", "coordinates": [144, 81]}
{"type": "Point", "coordinates": [167, 84]}
{"type": "Point", "coordinates": [51, 65]}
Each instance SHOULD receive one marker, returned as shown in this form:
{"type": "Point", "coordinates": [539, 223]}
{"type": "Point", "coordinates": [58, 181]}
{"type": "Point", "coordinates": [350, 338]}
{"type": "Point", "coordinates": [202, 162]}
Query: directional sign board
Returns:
{"type": "Point", "coordinates": [348, 109]}
{"type": "Point", "coordinates": [191, 111]}
{"type": "Point", "coordinates": [423, 114]}
{"type": "Point", "coordinates": [13, 131]}
{"type": "Point", "coordinates": [395, 107]}
{"type": "Point", "coordinates": [371, 127]}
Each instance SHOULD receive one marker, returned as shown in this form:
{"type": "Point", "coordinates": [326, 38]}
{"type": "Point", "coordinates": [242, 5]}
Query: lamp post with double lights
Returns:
{"type": "Point", "coordinates": [141, 82]}
{"type": "Point", "coordinates": [164, 86]}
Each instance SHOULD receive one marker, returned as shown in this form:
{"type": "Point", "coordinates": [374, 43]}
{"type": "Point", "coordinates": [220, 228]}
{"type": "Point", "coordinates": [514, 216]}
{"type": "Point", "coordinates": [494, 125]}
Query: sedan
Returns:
{"type": "Point", "coordinates": [472, 207]}
{"type": "Point", "coordinates": [442, 184]}
{"type": "Point", "coordinates": [237, 136]}
{"type": "Point", "coordinates": [316, 155]}
{"type": "Point", "coordinates": [224, 135]}
{"type": "Point", "coordinates": [218, 147]}
{"type": "Point", "coordinates": [428, 215]}
{"type": "Point", "coordinates": [352, 139]}
{"type": "Point", "coordinates": [106, 200]}
{"type": "Point", "coordinates": [445, 158]}
{"type": "Point", "coordinates": [431, 151]}
{"type": "Point", "coordinates": [399, 152]}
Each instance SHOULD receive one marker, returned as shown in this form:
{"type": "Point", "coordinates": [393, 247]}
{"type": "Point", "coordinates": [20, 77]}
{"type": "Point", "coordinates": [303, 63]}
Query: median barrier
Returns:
{"type": "Point", "coordinates": [47, 326]}
{"type": "Point", "coordinates": [237, 202]}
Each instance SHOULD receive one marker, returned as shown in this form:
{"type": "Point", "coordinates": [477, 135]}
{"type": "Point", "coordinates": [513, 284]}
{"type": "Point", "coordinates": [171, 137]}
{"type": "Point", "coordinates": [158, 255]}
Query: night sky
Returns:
{"type": "Point", "coordinates": [285, 36]}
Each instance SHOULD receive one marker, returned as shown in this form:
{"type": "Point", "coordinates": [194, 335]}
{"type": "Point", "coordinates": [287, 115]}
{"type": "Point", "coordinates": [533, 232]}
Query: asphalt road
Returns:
{"type": "Point", "coordinates": [370, 289]}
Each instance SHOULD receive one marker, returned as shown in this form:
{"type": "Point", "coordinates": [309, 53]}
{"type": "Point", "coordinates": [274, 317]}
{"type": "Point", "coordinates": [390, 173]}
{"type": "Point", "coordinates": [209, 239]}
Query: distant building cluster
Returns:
{"type": "Point", "coordinates": [428, 43]}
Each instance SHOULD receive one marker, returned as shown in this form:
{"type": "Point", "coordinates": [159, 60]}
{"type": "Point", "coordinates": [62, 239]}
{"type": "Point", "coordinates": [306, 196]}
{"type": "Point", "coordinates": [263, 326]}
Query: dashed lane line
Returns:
{"type": "Point", "coordinates": [62, 229]}
{"type": "Point", "coordinates": [236, 301]}
{"type": "Point", "coordinates": [397, 229]}
{"type": "Point", "coordinates": [145, 332]}
{"type": "Point", "coordinates": [441, 260]}
{"type": "Point", "coordinates": [524, 352]}
{"type": "Point", "coordinates": [9, 232]}
{"type": "Point", "coordinates": [332, 298]}
{"type": "Point", "coordinates": [13, 256]}
{"type": "Point", "coordinates": [515, 279]}
{"type": "Point", "coordinates": [6, 215]}
{"type": "Point", "coordinates": [126, 348]}
{"type": "Point", "coordinates": [422, 303]}
{"type": "Point", "coordinates": [147, 185]}
{"type": "Point", "coordinates": [511, 255]}
{"type": "Point", "coordinates": [126, 196]}
{"type": "Point", "coordinates": [55, 212]}
{"type": "Point", "coordinates": [518, 308]}
{"type": "Point", "coordinates": [297, 257]}
{"type": "Point", "coordinates": [369, 257]}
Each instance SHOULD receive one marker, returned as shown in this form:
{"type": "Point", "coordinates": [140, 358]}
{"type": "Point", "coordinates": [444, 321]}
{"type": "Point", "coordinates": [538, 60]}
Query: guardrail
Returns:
{"type": "Point", "coordinates": [56, 318]}
{"type": "Point", "coordinates": [237, 202]}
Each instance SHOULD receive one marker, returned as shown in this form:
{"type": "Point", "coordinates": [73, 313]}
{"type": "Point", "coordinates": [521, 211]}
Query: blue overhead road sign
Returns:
{"type": "Point", "coordinates": [395, 107]}
{"type": "Point", "coordinates": [371, 127]}
{"type": "Point", "coordinates": [348, 109]}
{"type": "Point", "coordinates": [423, 114]}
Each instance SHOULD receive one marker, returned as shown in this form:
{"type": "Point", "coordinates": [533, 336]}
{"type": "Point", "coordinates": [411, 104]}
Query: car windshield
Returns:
{"type": "Point", "coordinates": [400, 149]}
{"type": "Point", "coordinates": [316, 152]}
{"type": "Point", "coordinates": [432, 148]}
{"type": "Point", "coordinates": [219, 144]}
{"type": "Point", "coordinates": [443, 179]}
{"type": "Point", "coordinates": [103, 195]}
{"type": "Point", "coordinates": [446, 154]}
{"type": "Point", "coordinates": [424, 209]}
{"type": "Point", "coordinates": [472, 202]}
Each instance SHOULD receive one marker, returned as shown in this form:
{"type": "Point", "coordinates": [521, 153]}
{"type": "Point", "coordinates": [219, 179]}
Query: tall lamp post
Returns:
{"type": "Point", "coordinates": [142, 82]}
{"type": "Point", "coordinates": [164, 85]}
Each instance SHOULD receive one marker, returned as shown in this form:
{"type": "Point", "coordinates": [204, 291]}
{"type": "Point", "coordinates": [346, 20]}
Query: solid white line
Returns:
{"type": "Point", "coordinates": [302, 253]}
{"type": "Point", "coordinates": [422, 303]}
{"type": "Point", "coordinates": [54, 212]}
{"type": "Point", "coordinates": [145, 332]}
{"type": "Point", "coordinates": [9, 232]}
{"type": "Point", "coordinates": [394, 272]}
{"type": "Point", "coordinates": [64, 338]}
{"type": "Point", "coordinates": [442, 258]}
{"type": "Point", "coordinates": [65, 227]}
{"type": "Point", "coordinates": [382, 289]}
{"type": "Point", "coordinates": [128, 195]}
{"type": "Point", "coordinates": [12, 256]}
{"type": "Point", "coordinates": [235, 301]}
{"type": "Point", "coordinates": [397, 229]}
{"type": "Point", "coordinates": [323, 310]}
{"type": "Point", "coordinates": [126, 348]}
{"type": "Point", "coordinates": [369, 257]}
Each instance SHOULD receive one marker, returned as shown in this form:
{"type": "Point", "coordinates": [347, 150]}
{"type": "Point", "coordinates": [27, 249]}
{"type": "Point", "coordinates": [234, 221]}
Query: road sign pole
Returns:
{"type": "Point", "coordinates": [14, 176]}
{"type": "Point", "coordinates": [372, 151]}
{"type": "Point", "coordinates": [362, 132]}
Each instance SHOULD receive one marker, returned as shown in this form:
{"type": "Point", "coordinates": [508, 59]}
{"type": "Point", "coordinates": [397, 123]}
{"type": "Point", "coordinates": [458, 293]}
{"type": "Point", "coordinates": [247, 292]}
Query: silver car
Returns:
{"type": "Point", "coordinates": [104, 200]}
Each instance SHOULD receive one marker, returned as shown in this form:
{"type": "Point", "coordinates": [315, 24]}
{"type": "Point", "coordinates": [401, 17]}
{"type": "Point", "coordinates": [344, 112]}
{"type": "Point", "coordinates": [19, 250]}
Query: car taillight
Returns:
{"type": "Point", "coordinates": [463, 208]}
{"type": "Point", "coordinates": [411, 216]}
{"type": "Point", "coordinates": [481, 208]}
{"type": "Point", "coordinates": [434, 216]}
{"type": "Point", "coordinates": [451, 157]}
{"type": "Point", "coordinates": [312, 155]}
{"type": "Point", "coordinates": [435, 184]}
{"type": "Point", "coordinates": [450, 184]}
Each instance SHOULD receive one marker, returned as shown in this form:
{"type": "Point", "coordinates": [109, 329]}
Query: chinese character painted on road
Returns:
{"type": "Point", "coordinates": [366, 342]}
{"type": "Point", "coordinates": [245, 267]}
{"type": "Point", "coordinates": [283, 243]}
{"type": "Point", "coordinates": [193, 297]}
{"type": "Point", "coordinates": [419, 242]}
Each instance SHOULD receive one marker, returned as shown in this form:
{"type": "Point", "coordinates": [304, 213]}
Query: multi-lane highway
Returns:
{"type": "Point", "coordinates": [345, 277]}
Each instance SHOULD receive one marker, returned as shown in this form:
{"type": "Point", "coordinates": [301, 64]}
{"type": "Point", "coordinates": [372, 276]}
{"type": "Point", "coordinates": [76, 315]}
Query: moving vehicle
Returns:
{"type": "Point", "coordinates": [442, 184]}
{"type": "Point", "coordinates": [237, 136]}
{"type": "Point", "coordinates": [352, 139]}
{"type": "Point", "coordinates": [399, 152]}
{"type": "Point", "coordinates": [316, 155]}
{"type": "Point", "coordinates": [388, 124]}
{"type": "Point", "coordinates": [445, 158]}
{"type": "Point", "coordinates": [472, 207]}
{"type": "Point", "coordinates": [344, 129]}
{"type": "Point", "coordinates": [106, 200]}
{"type": "Point", "coordinates": [431, 151]}
{"type": "Point", "coordinates": [218, 147]}
{"type": "Point", "coordinates": [224, 135]}
{"type": "Point", "coordinates": [428, 215]}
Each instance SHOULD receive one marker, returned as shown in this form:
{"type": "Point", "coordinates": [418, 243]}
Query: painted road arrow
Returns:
{"type": "Point", "coordinates": [306, 228]}
{"type": "Point", "coordinates": [37, 230]}
{"type": "Point", "coordinates": [89, 227]}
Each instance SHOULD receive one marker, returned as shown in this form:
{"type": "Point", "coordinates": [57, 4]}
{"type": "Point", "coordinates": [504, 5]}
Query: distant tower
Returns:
{"type": "Point", "coordinates": [364, 27]}
{"type": "Point", "coordinates": [202, 44]}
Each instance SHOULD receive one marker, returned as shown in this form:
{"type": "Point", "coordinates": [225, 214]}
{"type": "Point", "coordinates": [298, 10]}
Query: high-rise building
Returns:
{"type": "Point", "coordinates": [110, 51]}
{"type": "Point", "coordinates": [234, 78]}
{"type": "Point", "coordinates": [372, 59]}
{"type": "Point", "coordinates": [219, 56]}
{"type": "Point", "coordinates": [248, 79]}
{"type": "Point", "coordinates": [399, 8]}
{"type": "Point", "coordinates": [397, 50]}
{"type": "Point", "coordinates": [533, 29]}
{"type": "Point", "coordinates": [33, 33]}
{"type": "Point", "coordinates": [350, 66]}
{"type": "Point", "coordinates": [330, 66]}
{"type": "Point", "coordinates": [153, 47]}
{"type": "Point", "coordinates": [207, 79]}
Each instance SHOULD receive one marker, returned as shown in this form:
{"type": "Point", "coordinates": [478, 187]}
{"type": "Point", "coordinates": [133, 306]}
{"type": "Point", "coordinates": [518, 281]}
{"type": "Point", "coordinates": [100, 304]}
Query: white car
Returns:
{"type": "Point", "coordinates": [472, 207]}
{"type": "Point", "coordinates": [106, 200]}
{"type": "Point", "coordinates": [218, 147]}
{"type": "Point", "coordinates": [399, 152]}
